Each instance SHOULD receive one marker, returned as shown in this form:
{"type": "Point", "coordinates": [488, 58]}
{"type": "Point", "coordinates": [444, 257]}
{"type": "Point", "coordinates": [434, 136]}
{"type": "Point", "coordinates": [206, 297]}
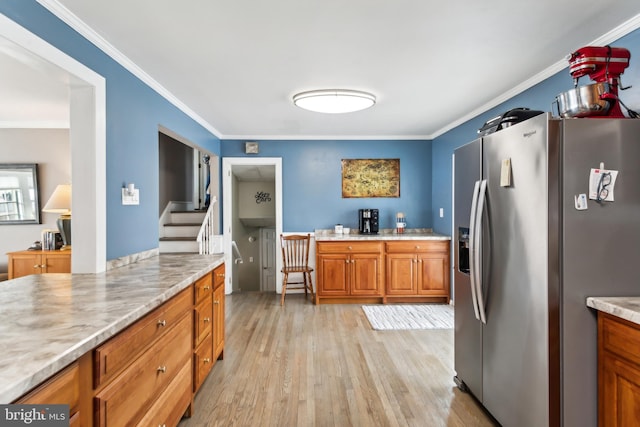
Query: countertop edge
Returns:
{"type": "Point", "coordinates": [627, 308]}
{"type": "Point", "coordinates": [11, 392]}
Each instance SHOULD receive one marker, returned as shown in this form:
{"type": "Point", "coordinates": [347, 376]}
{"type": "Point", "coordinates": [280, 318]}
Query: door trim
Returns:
{"type": "Point", "coordinates": [227, 205]}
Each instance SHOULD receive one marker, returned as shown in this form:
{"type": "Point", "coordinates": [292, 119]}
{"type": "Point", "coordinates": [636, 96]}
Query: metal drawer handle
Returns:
{"type": "Point", "coordinates": [216, 302]}
{"type": "Point", "coordinates": [206, 360]}
{"type": "Point", "coordinates": [350, 247]}
{"type": "Point", "coordinates": [206, 320]}
{"type": "Point", "coordinates": [162, 323]}
{"type": "Point", "coordinates": [206, 288]}
{"type": "Point", "coordinates": [162, 369]}
{"type": "Point", "coordinates": [36, 266]}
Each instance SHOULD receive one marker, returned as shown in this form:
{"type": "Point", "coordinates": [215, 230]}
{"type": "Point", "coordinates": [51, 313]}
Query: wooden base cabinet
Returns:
{"type": "Point", "coordinates": [24, 263]}
{"type": "Point", "coordinates": [64, 389]}
{"type": "Point", "coordinates": [348, 270]}
{"type": "Point", "coordinates": [417, 270]}
{"type": "Point", "coordinates": [208, 342]}
{"type": "Point", "coordinates": [147, 374]}
{"type": "Point", "coordinates": [618, 372]}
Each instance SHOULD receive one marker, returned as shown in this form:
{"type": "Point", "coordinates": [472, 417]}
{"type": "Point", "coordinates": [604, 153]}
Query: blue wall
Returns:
{"type": "Point", "coordinates": [134, 112]}
{"type": "Point", "coordinates": [311, 181]}
{"type": "Point", "coordinates": [539, 97]}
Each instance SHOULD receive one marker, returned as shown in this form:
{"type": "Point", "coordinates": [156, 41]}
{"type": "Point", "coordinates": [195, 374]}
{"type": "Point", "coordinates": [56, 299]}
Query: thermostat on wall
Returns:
{"type": "Point", "coordinates": [251, 147]}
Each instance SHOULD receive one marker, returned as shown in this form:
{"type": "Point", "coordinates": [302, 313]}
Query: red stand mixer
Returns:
{"type": "Point", "coordinates": [604, 65]}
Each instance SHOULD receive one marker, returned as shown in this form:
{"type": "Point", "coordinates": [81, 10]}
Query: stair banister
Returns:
{"type": "Point", "coordinates": [206, 233]}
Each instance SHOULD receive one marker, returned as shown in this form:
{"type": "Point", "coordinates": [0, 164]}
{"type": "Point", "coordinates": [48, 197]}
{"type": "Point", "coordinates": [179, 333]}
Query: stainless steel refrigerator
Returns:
{"type": "Point", "coordinates": [531, 247]}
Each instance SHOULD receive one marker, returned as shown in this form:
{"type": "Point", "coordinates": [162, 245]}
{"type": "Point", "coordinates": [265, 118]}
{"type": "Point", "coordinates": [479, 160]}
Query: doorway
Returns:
{"type": "Point", "coordinates": [252, 204]}
{"type": "Point", "coordinates": [87, 135]}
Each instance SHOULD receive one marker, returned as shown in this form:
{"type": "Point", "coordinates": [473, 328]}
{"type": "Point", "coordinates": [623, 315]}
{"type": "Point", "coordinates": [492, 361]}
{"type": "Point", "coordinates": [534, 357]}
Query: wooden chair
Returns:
{"type": "Point", "coordinates": [295, 259]}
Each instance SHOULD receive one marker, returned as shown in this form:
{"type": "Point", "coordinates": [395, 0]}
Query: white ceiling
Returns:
{"type": "Point", "coordinates": [236, 64]}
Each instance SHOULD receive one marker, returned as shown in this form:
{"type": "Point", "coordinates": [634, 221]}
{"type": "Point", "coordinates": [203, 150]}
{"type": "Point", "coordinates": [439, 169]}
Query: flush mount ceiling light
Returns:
{"type": "Point", "coordinates": [334, 101]}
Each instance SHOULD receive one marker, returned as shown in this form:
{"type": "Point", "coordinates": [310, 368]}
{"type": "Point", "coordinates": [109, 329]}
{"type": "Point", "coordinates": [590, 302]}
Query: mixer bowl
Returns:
{"type": "Point", "coordinates": [584, 101]}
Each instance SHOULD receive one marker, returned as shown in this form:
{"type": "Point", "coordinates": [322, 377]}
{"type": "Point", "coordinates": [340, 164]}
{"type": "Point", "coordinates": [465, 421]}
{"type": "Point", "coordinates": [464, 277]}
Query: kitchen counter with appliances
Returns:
{"type": "Point", "coordinates": [385, 234]}
{"type": "Point", "coordinates": [627, 308]}
{"type": "Point", "coordinates": [50, 320]}
{"type": "Point", "coordinates": [387, 267]}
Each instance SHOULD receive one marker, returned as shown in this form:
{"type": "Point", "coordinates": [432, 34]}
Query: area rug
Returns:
{"type": "Point", "coordinates": [399, 317]}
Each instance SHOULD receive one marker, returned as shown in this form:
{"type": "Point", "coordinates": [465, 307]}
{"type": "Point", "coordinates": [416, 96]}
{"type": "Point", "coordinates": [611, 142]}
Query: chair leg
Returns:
{"type": "Point", "coordinates": [284, 288]}
{"type": "Point", "coordinates": [311, 286]}
{"type": "Point", "coordinates": [304, 280]}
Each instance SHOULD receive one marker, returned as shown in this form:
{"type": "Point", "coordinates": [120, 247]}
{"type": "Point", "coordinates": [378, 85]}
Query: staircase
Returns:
{"type": "Point", "coordinates": [179, 230]}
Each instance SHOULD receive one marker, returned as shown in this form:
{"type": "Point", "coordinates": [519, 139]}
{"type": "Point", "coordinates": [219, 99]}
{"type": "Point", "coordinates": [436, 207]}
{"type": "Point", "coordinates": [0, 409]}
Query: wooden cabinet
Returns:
{"type": "Point", "coordinates": [208, 335]}
{"type": "Point", "coordinates": [218, 312]}
{"type": "Point", "coordinates": [618, 372]}
{"type": "Point", "coordinates": [147, 374]}
{"type": "Point", "coordinates": [63, 388]}
{"type": "Point", "coordinates": [202, 326]}
{"type": "Point", "coordinates": [417, 270]}
{"type": "Point", "coordinates": [134, 370]}
{"type": "Point", "coordinates": [348, 270]}
{"type": "Point", "coordinates": [24, 263]}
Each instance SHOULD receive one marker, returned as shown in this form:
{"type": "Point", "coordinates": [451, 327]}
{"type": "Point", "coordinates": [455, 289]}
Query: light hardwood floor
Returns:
{"type": "Point", "coordinates": [308, 365]}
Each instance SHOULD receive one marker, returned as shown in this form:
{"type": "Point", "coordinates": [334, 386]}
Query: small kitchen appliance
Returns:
{"type": "Point", "coordinates": [604, 65]}
{"type": "Point", "coordinates": [368, 221]}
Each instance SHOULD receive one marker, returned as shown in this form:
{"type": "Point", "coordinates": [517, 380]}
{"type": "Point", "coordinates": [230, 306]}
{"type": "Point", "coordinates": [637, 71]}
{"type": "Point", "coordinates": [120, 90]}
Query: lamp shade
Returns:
{"type": "Point", "coordinates": [334, 101]}
{"type": "Point", "coordinates": [60, 200]}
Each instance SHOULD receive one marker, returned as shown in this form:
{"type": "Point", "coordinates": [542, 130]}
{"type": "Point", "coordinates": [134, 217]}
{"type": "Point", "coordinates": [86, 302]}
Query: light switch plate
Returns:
{"type": "Point", "coordinates": [133, 199]}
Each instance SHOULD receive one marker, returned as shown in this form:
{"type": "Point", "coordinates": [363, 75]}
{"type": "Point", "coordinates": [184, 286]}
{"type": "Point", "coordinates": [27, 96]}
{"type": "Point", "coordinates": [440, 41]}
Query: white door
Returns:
{"type": "Point", "coordinates": [268, 259]}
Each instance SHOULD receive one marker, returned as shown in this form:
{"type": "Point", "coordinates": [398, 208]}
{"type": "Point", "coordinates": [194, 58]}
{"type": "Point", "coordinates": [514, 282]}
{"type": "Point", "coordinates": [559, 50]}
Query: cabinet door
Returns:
{"type": "Point", "coordinates": [401, 274]}
{"type": "Point", "coordinates": [619, 393]}
{"type": "Point", "coordinates": [24, 264]}
{"type": "Point", "coordinates": [58, 262]}
{"type": "Point", "coordinates": [332, 274]}
{"type": "Point", "coordinates": [365, 274]}
{"type": "Point", "coordinates": [433, 275]}
{"type": "Point", "coordinates": [218, 321]}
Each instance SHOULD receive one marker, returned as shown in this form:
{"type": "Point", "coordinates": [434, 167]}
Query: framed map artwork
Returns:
{"type": "Point", "coordinates": [370, 178]}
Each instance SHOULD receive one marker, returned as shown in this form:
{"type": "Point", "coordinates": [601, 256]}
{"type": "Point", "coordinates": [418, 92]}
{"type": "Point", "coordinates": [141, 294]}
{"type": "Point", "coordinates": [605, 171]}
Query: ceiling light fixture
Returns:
{"type": "Point", "coordinates": [334, 101]}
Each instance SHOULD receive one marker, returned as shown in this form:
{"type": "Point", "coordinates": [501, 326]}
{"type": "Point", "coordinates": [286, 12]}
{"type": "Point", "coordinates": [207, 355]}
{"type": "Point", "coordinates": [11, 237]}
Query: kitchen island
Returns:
{"type": "Point", "coordinates": [618, 359]}
{"type": "Point", "coordinates": [386, 267]}
{"type": "Point", "coordinates": [50, 321]}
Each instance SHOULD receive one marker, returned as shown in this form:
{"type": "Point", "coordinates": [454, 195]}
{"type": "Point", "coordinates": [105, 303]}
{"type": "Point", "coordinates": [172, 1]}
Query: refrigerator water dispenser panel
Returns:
{"type": "Point", "coordinates": [463, 250]}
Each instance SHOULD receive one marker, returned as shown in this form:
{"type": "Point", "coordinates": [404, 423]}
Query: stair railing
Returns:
{"type": "Point", "coordinates": [206, 233]}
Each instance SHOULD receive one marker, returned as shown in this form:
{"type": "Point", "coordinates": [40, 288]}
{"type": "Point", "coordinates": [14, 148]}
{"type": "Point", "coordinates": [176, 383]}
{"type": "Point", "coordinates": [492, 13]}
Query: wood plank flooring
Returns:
{"type": "Point", "coordinates": [308, 365]}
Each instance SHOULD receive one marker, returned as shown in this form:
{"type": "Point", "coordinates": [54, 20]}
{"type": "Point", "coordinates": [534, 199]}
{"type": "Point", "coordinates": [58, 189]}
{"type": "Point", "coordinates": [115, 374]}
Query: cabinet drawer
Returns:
{"type": "Point", "coordinates": [416, 246]}
{"type": "Point", "coordinates": [202, 320]}
{"type": "Point", "coordinates": [202, 362]}
{"type": "Point", "coordinates": [203, 288]}
{"type": "Point", "coordinates": [172, 403]}
{"type": "Point", "coordinates": [348, 247]}
{"type": "Point", "coordinates": [63, 388]}
{"type": "Point", "coordinates": [620, 338]}
{"type": "Point", "coordinates": [218, 276]}
{"type": "Point", "coordinates": [129, 395]}
{"type": "Point", "coordinates": [111, 357]}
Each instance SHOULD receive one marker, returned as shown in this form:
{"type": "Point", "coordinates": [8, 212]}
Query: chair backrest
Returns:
{"type": "Point", "coordinates": [295, 250]}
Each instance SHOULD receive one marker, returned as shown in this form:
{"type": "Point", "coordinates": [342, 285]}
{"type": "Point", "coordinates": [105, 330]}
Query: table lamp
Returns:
{"type": "Point", "coordinates": [60, 202]}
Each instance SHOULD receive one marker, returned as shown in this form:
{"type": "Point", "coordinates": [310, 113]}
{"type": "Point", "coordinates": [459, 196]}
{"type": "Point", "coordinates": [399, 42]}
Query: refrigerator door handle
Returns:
{"type": "Point", "coordinates": [478, 252]}
{"type": "Point", "coordinates": [472, 248]}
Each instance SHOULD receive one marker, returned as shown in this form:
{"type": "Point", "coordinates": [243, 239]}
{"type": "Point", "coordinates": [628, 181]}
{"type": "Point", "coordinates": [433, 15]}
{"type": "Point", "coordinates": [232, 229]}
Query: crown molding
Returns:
{"type": "Point", "coordinates": [609, 37]}
{"type": "Point", "coordinates": [87, 32]}
{"type": "Point", "coordinates": [328, 137]}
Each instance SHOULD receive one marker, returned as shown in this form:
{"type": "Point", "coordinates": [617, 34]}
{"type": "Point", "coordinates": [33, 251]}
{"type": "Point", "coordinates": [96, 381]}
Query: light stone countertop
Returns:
{"type": "Point", "coordinates": [48, 321]}
{"type": "Point", "coordinates": [385, 234]}
{"type": "Point", "coordinates": [627, 308]}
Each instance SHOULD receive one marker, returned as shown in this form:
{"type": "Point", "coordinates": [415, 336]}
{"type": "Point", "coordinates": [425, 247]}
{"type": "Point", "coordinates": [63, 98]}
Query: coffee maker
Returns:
{"type": "Point", "coordinates": [368, 221]}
